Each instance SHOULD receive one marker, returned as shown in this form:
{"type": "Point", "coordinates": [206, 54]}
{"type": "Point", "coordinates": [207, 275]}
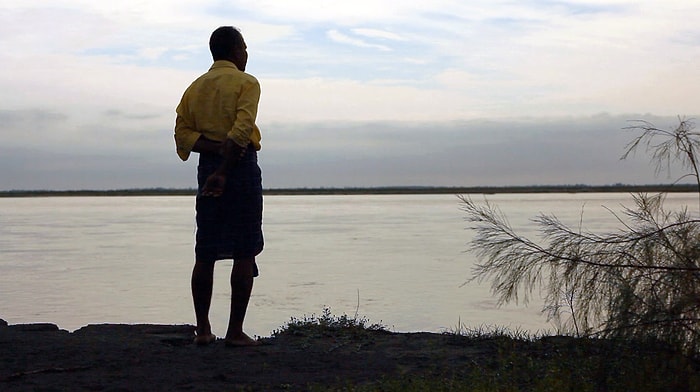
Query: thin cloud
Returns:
{"type": "Point", "coordinates": [375, 33]}
{"type": "Point", "coordinates": [336, 36]}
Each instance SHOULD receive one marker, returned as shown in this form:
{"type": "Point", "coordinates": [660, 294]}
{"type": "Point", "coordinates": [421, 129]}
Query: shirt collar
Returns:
{"type": "Point", "coordinates": [223, 64]}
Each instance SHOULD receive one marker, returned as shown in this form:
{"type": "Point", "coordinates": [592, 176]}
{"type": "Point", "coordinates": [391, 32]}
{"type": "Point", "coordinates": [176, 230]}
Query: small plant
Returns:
{"type": "Point", "coordinates": [326, 324]}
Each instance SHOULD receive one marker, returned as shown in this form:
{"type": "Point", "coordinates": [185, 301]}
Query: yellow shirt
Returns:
{"type": "Point", "coordinates": [220, 104]}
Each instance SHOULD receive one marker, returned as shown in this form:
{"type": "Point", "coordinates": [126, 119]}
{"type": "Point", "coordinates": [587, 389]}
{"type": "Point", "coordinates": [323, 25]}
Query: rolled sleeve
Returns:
{"type": "Point", "coordinates": [185, 138]}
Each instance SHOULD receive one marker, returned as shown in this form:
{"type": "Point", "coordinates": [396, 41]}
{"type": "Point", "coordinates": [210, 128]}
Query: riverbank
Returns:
{"type": "Point", "coordinates": [309, 356]}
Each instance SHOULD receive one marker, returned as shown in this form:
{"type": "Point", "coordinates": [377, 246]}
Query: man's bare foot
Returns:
{"type": "Point", "coordinates": [205, 339]}
{"type": "Point", "coordinates": [241, 341]}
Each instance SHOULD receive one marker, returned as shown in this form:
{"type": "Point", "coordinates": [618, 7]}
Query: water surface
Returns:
{"type": "Point", "coordinates": [395, 259]}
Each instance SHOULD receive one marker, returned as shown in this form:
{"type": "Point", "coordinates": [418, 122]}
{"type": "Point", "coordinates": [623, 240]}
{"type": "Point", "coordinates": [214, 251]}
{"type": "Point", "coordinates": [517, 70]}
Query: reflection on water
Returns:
{"type": "Point", "coordinates": [395, 259]}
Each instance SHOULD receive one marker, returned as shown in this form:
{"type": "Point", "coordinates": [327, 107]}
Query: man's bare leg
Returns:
{"type": "Point", "coordinates": [241, 287]}
{"type": "Point", "coordinates": [202, 286]}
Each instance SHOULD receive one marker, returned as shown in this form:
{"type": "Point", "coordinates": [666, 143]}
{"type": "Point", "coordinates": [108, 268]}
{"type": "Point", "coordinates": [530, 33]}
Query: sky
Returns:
{"type": "Point", "coordinates": [365, 93]}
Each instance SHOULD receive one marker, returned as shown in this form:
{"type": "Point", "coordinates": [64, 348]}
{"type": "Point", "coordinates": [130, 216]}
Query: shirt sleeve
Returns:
{"type": "Point", "coordinates": [247, 110]}
{"type": "Point", "coordinates": [185, 135]}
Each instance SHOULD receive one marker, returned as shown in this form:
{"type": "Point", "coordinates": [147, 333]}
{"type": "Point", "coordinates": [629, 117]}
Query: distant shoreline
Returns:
{"type": "Point", "coordinates": [398, 190]}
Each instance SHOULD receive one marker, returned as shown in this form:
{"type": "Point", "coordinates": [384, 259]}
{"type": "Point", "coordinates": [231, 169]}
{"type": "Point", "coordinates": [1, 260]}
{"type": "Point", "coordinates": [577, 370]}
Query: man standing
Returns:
{"type": "Point", "coordinates": [216, 118]}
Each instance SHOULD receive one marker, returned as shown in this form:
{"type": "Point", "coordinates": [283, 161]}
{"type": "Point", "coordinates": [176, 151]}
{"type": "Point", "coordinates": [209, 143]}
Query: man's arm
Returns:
{"type": "Point", "coordinates": [246, 112]}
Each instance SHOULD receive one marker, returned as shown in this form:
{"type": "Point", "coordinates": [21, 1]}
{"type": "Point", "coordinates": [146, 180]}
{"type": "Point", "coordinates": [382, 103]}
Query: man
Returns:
{"type": "Point", "coordinates": [216, 118]}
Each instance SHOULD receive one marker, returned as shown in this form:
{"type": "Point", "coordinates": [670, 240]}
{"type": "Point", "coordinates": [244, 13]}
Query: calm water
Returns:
{"type": "Point", "coordinates": [400, 259]}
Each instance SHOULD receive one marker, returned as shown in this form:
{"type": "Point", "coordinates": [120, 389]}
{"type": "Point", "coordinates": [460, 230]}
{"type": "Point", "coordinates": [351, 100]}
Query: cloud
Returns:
{"type": "Point", "coordinates": [105, 77]}
{"type": "Point", "coordinates": [381, 34]}
{"type": "Point", "coordinates": [570, 150]}
{"type": "Point", "coordinates": [339, 37]}
{"type": "Point", "coordinates": [479, 152]}
{"type": "Point", "coordinates": [347, 100]}
{"type": "Point", "coordinates": [29, 117]}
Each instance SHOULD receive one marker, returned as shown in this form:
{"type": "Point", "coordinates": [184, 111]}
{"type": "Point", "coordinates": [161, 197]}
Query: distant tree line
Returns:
{"type": "Point", "coordinates": [578, 188]}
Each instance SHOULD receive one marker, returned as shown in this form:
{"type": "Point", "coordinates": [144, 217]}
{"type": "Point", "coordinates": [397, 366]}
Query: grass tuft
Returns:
{"type": "Point", "coordinates": [328, 324]}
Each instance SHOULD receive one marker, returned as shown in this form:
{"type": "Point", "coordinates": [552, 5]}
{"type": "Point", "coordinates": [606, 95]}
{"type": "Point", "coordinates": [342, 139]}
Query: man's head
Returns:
{"type": "Point", "coordinates": [226, 43]}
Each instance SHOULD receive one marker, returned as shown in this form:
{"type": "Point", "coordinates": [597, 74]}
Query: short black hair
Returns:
{"type": "Point", "coordinates": [223, 41]}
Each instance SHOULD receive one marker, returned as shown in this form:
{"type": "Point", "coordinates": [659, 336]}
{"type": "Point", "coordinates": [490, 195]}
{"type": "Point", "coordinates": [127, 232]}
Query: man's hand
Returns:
{"type": "Point", "coordinates": [232, 153]}
{"type": "Point", "coordinates": [214, 186]}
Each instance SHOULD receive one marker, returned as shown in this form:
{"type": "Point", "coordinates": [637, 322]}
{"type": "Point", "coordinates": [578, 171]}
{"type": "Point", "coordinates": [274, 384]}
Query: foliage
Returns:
{"type": "Point", "coordinates": [326, 324]}
{"type": "Point", "coordinates": [490, 332]}
{"type": "Point", "coordinates": [640, 282]}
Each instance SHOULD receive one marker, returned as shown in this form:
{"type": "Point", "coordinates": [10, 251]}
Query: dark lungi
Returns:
{"type": "Point", "coordinates": [230, 226]}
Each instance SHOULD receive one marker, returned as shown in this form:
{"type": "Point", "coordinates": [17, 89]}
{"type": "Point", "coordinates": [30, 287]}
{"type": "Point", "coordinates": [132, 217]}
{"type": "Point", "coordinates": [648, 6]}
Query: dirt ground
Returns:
{"type": "Point", "coordinates": [109, 357]}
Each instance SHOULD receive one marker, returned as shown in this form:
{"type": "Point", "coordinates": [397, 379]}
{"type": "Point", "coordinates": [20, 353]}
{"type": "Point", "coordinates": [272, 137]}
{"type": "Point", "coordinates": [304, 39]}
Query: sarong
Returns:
{"type": "Point", "coordinates": [230, 226]}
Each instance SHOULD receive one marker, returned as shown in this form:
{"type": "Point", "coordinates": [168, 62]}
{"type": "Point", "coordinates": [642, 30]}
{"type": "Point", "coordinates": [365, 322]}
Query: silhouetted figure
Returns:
{"type": "Point", "coordinates": [216, 118]}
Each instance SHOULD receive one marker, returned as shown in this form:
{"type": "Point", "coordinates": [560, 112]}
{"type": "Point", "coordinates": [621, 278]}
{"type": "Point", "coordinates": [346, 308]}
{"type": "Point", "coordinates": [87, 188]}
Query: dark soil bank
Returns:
{"type": "Point", "coordinates": [162, 357]}
{"type": "Point", "coordinates": [108, 357]}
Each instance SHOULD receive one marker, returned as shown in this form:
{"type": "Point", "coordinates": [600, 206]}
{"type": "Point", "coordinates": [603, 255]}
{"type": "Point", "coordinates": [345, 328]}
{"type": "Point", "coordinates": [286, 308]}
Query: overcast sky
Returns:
{"type": "Point", "coordinates": [355, 93]}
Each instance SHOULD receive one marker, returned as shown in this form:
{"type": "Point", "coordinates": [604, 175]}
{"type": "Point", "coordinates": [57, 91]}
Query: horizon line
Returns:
{"type": "Point", "coordinates": [408, 189]}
